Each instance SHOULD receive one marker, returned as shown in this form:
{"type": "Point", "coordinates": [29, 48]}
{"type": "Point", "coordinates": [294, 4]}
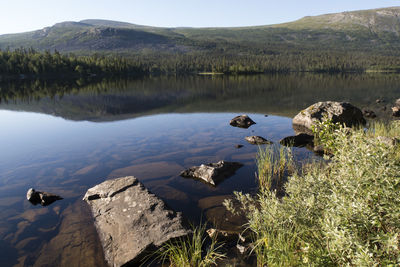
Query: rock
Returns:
{"type": "Point", "coordinates": [222, 235]}
{"type": "Point", "coordinates": [299, 140]}
{"type": "Point", "coordinates": [368, 113]}
{"type": "Point", "coordinates": [341, 112]}
{"type": "Point", "coordinates": [395, 111]}
{"type": "Point", "coordinates": [212, 173]}
{"type": "Point", "coordinates": [389, 141]}
{"type": "Point", "coordinates": [130, 220]}
{"type": "Point", "coordinates": [239, 146]}
{"type": "Point", "coordinates": [257, 140]}
{"type": "Point", "coordinates": [44, 198]}
{"type": "Point", "coordinates": [320, 150]}
{"type": "Point", "coordinates": [242, 121]}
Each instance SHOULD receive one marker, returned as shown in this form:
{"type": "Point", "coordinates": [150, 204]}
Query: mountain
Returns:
{"type": "Point", "coordinates": [369, 30]}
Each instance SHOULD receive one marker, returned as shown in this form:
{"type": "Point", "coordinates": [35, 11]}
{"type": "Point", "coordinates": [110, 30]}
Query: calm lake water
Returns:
{"type": "Point", "coordinates": [65, 137]}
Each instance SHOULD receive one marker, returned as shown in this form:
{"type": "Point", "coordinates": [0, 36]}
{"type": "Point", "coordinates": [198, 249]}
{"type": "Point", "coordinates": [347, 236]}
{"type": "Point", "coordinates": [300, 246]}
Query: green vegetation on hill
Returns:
{"type": "Point", "coordinates": [30, 62]}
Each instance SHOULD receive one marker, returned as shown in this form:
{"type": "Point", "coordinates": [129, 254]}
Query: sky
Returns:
{"type": "Point", "coordinates": [26, 15]}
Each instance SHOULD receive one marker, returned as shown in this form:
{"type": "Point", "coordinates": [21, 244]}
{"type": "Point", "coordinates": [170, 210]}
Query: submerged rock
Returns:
{"type": "Point", "coordinates": [341, 112]}
{"type": "Point", "coordinates": [242, 121]}
{"type": "Point", "coordinates": [299, 140]}
{"type": "Point", "coordinates": [130, 220]}
{"type": "Point", "coordinates": [239, 146]}
{"type": "Point", "coordinates": [212, 173]}
{"type": "Point", "coordinates": [257, 140]}
{"type": "Point", "coordinates": [368, 113]}
{"type": "Point", "coordinates": [42, 198]}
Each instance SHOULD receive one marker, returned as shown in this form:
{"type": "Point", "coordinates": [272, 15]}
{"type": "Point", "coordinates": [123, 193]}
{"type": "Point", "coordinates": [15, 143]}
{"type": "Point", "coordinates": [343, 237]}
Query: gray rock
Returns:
{"type": "Point", "coordinates": [341, 112]}
{"type": "Point", "coordinates": [257, 140]}
{"type": "Point", "coordinates": [242, 121]}
{"type": "Point", "coordinates": [299, 140]}
{"type": "Point", "coordinates": [130, 220]}
{"type": "Point", "coordinates": [42, 198]}
{"type": "Point", "coordinates": [212, 173]}
{"type": "Point", "coordinates": [396, 111]}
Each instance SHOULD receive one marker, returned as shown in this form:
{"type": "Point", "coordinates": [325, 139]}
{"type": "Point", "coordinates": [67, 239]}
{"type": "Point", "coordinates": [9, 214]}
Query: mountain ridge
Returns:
{"type": "Point", "coordinates": [374, 29]}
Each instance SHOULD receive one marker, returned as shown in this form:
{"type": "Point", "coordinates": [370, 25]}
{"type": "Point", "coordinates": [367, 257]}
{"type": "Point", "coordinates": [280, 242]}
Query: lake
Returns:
{"type": "Point", "coordinates": [64, 137]}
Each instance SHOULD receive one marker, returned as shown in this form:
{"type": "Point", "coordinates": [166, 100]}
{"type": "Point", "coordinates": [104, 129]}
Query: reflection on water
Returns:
{"type": "Point", "coordinates": [169, 124]}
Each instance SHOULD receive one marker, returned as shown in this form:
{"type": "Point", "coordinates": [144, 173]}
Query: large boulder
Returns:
{"type": "Point", "coordinates": [212, 173]}
{"type": "Point", "coordinates": [130, 220]}
{"type": "Point", "coordinates": [341, 112]}
{"type": "Point", "coordinates": [242, 121]}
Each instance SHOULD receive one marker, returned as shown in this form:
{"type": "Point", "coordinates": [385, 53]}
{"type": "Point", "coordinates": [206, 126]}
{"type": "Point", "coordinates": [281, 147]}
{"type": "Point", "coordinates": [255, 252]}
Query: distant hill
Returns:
{"type": "Point", "coordinates": [368, 30]}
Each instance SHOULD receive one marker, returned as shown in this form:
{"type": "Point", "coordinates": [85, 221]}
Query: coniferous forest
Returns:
{"type": "Point", "coordinates": [30, 62]}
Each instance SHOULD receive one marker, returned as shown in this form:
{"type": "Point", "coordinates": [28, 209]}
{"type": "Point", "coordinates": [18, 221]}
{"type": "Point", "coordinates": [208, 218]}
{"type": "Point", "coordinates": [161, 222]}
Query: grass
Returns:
{"type": "Point", "coordinates": [193, 251]}
{"type": "Point", "coordinates": [342, 213]}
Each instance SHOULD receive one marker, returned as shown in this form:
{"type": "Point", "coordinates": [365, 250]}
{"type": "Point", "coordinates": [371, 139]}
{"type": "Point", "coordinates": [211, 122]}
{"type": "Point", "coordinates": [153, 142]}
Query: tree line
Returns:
{"type": "Point", "coordinates": [31, 62]}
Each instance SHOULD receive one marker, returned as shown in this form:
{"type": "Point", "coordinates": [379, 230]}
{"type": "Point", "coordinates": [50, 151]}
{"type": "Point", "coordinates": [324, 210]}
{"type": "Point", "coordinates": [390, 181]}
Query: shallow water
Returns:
{"type": "Point", "coordinates": [57, 140]}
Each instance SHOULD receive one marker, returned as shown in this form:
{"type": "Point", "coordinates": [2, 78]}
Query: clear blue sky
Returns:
{"type": "Point", "coordinates": [25, 15]}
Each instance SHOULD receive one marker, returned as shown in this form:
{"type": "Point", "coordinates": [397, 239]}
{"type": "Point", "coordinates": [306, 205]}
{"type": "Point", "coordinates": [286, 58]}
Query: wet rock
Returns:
{"type": "Point", "coordinates": [44, 198]}
{"type": "Point", "coordinates": [299, 140]}
{"type": "Point", "coordinates": [368, 113]}
{"type": "Point", "coordinates": [212, 173]}
{"type": "Point", "coordinates": [341, 112]}
{"type": "Point", "coordinates": [242, 121]}
{"type": "Point", "coordinates": [395, 111]}
{"type": "Point", "coordinates": [239, 146]}
{"type": "Point", "coordinates": [257, 140]}
{"type": "Point", "coordinates": [130, 220]}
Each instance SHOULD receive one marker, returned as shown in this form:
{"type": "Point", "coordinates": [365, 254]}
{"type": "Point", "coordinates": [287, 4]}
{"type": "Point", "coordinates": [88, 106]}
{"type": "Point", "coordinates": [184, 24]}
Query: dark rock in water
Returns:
{"type": "Point", "coordinates": [266, 115]}
{"type": "Point", "coordinates": [257, 140]}
{"type": "Point", "coordinates": [299, 140]}
{"type": "Point", "coordinates": [42, 198]}
{"type": "Point", "coordinates": [239, 146]}
{"type": "Point", "coordinates": [212, 173]}
{"type": "Point", "coordinates": [242, 121]}
{"type": "Point", "coordinates": [395, 111]}
{"type": "Point", "coordinates": [130, 220]}
{"type": "Point", "coordinates": [341, 112]}
{"type": "Point", "coordinates": [369, 113]}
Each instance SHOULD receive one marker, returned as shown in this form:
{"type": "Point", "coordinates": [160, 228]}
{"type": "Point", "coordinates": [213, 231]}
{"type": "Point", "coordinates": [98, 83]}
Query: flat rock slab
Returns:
{"type": "Point", "coordinates": [212, 173]}
{"type": "Point", "coordinates": [130, 220]}
{"type": "Point", "coordinates": [299, 140]}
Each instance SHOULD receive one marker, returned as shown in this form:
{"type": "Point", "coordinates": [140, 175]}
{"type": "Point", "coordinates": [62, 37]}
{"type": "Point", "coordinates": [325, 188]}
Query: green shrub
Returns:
{"type": "Point", "coordinates": [343, 213]}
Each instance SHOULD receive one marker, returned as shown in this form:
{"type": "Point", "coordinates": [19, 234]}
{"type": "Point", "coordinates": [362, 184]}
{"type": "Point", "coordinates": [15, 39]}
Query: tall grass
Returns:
{"type": "Point", "coordinates": [346, 213]}
{"type": "Point", "coordinates": [273, 165]}
{"type": "Point", "coordinates": [193, 251]}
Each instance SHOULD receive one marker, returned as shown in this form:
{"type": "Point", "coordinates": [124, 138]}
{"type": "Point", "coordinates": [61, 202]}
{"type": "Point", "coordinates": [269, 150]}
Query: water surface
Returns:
{"type": "Point", "coordinates": [64, 137]}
